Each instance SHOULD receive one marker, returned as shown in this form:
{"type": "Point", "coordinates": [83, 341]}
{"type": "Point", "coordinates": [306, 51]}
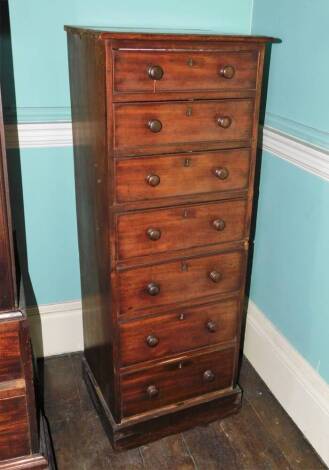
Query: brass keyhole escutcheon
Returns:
{"type": "Point", "coordinates": [189, 112]}
{"type": "Point", "coordinates": [184, 266]}
{"type": "Point", "coordinates": [190, 62]}
{"type": "Point", "coordinates": [187, 162]}
{"type": "Point", "coordinates": [185, 213]}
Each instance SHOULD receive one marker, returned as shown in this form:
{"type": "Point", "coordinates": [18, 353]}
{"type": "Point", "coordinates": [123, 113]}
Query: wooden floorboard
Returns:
{"type": "Point", "coordinates": [261, 436]}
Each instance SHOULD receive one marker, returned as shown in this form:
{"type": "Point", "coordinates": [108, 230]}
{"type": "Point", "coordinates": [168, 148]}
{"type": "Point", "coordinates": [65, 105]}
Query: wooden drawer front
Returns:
{"type": "Point", "coordinates": [148, 178]}
{"type": "Point", "coordinates": [179, 281]}
{"type": "Point", "coordinates": [178, 127]}
{"type": "Point", "coordinates": [10, 361]}
{"type": "Point", "coordinates": [180, 227]}
{"type": "Point", "coordinates": [176, 381]}
{"type": "Point", "coordinates": [14, 436]}
{"type": "Point", "coordinates": [178, 331]}
{"type": "Point", "coordinates": [184, 71]}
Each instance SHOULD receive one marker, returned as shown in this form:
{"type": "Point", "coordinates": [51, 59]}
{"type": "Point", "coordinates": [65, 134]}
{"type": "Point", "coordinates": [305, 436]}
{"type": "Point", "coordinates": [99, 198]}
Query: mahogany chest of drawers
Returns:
{"type": "Point", "coordinates": [165, 133]}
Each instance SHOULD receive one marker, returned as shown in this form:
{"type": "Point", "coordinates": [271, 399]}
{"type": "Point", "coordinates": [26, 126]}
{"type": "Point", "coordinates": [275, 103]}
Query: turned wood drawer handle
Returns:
{"type": "Point", "coordinates": [153, 289]}
{"type": "Point", "coordinates": [211, 326]}
{"type": "Point", "coordinates": [155, 72]}
{"type": "Point", "coordinates": [154, 125]}
{"type": "Point", "coordinates": [227, 71]}
{"type": "Point", "coordinates": [224, 121]}
{"type": "Point", "coordinates": [153, 180]}
{"type": "Point", "coordinates": [221, 173]}
{"type": "Point", "coordinates": [208, 376]}
{"type": "Point", "coordinates": [152, 391]}
{"type": "Point", "coordinates": [215, 276]}
{"type": "Point", "coordinates": [153, 233]}
{"type": "Point", "coordinates": [219, 224]}
{"type": "Point", "coordinates": [152, 341]}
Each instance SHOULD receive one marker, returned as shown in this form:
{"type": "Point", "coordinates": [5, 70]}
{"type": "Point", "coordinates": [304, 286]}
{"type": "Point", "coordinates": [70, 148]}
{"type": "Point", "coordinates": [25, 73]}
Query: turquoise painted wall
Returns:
{"type": "Point", "coordinates": [42, 95]}
{"type": "Point", "coordinates": [50, 223]}
{"type": "Point", "coordinates": [298, 98]}
{"type": "Point", "coordinates": [290, 274]}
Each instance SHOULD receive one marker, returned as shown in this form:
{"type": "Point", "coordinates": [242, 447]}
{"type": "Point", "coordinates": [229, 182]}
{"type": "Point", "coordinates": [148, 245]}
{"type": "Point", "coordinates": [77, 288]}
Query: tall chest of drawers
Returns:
{"type": "Point", "coordinates": [165, 134]}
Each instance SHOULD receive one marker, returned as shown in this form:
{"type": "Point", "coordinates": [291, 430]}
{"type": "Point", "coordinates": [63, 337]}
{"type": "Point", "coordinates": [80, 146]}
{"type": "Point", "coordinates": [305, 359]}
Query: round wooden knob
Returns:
{"type": "Point", "coordinates": [155, 72]}
{"type": "Point", "coordinates": [211, 326]}
{"type": "Point", "coordinates": [208, 376]}
{"type": "Point", "coordinates": [153, 180]}
{"type": "Point", "coordinates": [152, 341]}
{"type": "Point", "coordinates": [221, 173]}
{"type": "Point", "coordinates": [224, 121]}
{"type": "Point", "coordinates": [153, 289]}
{"type": "Point", "coordinates": [153, 233]}
{"type": "Point", "coordinates": [154, 125]}
{"type": "Point", "coordinates": [219, 224]}
{"type": "Point", "coordinates": [215, 276]}
{"type": "Point", "coordinates": [152, 391]}
{"type": "Point", "coordinates": [227, 71]}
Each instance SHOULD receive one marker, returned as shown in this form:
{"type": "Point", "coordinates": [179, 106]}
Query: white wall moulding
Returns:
{"type": "Point", "coordinates": [296, 385]}
{"type": "Point", "coordinates": [39, 135]}
{"type": "Point", "coordinates": [309, 134]}
{"type": "Point", "coordinates": [28, 114]}
{"type": "Point", "coordinates": [56, 328]}
{"type": "Point", "coordinates": [312, 159]}
{"type": "Point", "coordinates": [59, 134]}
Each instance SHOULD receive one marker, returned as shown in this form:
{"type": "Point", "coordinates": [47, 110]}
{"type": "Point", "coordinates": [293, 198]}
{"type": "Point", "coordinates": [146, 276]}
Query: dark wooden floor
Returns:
{"type": "Point", "coordinates": [261, 436]}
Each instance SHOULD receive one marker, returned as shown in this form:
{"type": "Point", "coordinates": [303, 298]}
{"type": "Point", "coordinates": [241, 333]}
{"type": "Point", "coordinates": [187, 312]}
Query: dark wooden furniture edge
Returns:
{"type": "Point", "coordinates": [137, 431]}
{"type": "Point", "coordinates": [115, 33]}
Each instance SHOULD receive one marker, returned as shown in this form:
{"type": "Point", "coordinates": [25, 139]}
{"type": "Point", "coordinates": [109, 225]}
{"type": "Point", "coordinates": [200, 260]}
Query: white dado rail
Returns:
{"type": "Point", "coordinates": [59, 134]}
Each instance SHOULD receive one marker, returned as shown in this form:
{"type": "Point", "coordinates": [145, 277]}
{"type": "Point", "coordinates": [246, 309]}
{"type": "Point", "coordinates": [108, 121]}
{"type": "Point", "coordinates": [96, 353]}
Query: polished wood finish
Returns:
{"type": "Point", "coordinates": [178, 331]}
{"type": "Point", "coordinates": [7, 269]}
{"type": "Point", "coordinates": [183, 227]}
{"type": "Point", "coordinates": [165, 131]}
{"type": "Point", "coordinates": [182, 71]}
{"type": "Point", "coordinates": [10, 351]}
{"type": "Point", "coordinates": [179, 281]}
{"type": "Point", "coordinates": [178, 127]}
{"type": "Point", "coordinates": [176, 381]}
{"type": "Point", "coordinates": [180, 175]}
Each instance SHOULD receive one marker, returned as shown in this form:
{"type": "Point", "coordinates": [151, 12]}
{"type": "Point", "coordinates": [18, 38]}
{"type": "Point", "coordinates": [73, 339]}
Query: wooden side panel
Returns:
{"type": "Point", "coordinates": [10, 352]}
{"type": "Point", "coordinates": [7, 269]}
{"type": "Point", "coordinates": [88, 99]}
{"type": "Point", "coordinates": [14, 440]}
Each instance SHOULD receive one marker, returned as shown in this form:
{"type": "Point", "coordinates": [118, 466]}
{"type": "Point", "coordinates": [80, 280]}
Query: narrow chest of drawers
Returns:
{"type": "Point", "coordinates": [165, 133]}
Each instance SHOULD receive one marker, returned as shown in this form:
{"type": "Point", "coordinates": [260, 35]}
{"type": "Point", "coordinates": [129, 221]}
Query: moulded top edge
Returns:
{"type": "Point", "coordinates": [166, 33]}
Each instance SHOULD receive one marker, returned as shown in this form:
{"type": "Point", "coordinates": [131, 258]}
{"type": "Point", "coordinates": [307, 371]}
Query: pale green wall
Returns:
{"type": "Point", "coordinates": [290, 275]}
{"type": "Point", "coordinates": [42, 94]}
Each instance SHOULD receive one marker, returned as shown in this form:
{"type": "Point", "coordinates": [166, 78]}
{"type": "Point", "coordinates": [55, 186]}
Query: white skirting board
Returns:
{"type": "Point", "coordinates": [297, 386]}
{"type": "Point", "coordinates": [56, 328]}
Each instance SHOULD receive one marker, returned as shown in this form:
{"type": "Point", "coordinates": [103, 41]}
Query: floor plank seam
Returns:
{"type": "Point", "coordinates": [189, 452]}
